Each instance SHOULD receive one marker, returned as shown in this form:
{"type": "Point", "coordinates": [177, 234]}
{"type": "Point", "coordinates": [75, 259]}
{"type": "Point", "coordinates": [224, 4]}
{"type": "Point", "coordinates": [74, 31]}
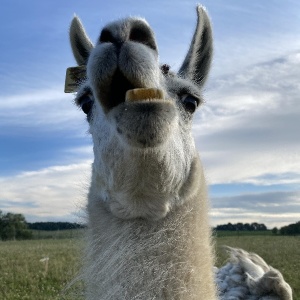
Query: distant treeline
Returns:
{"type": "Point", "coordinates": [14, 227]}
{"type": "Point", "coordinates": [292, 229]}
{"type": "Point", "coordinates": [53, 226]}
{"type": "Point", "coordinates": [242, 227]}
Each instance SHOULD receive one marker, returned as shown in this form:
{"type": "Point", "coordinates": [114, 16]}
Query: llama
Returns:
{"type": "Point", "coordinates": [148, 229]}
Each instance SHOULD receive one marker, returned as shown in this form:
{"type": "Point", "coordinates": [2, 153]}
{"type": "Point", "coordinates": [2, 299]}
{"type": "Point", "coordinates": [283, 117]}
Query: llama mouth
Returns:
{"type": "Point", "coordinates": [118, 89]}
{"type": "Point", "coordinates": [143, 94]}
{"type": "Point", "coordinates": [122, 90]}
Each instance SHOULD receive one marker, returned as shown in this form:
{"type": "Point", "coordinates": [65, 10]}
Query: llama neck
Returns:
{"type": "Point", "coordinates": [139, 259]}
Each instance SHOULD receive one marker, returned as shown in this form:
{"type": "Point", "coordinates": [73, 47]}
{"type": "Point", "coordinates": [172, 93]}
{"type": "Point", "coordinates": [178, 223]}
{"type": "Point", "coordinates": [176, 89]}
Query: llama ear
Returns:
{"type": "Point", "coordinates": [80, 42]}
{"type": "Point", "coordinates": [198, 59]}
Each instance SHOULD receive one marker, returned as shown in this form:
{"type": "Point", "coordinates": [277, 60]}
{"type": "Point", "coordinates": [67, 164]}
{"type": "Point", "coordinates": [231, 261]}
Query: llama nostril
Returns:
{"type": "Point", "coordinates": [140, 33]}
{"type": "Point", "coordinates": [118, 44]}
{"type": "Point", "coordinates": [106, 37]}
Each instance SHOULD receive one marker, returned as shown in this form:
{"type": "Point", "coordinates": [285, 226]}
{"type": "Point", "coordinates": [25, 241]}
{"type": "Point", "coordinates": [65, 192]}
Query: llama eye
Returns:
{"type": "Point", "coordinates": [86, 104]}
{"type": "Point", "coordinates": [190, 103]}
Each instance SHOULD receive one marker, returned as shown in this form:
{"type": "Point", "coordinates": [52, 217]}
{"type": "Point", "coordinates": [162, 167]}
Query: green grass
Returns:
{"type": "Point", "coordinates": [57, 234]}
{"type": "Point", "coordinates": [23, 276]}
{"type": "Point", "coordinates": [221, 233]}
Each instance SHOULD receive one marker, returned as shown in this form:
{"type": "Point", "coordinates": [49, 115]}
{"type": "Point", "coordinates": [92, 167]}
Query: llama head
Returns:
{"type": "Point", "coordinates": [144, 151]}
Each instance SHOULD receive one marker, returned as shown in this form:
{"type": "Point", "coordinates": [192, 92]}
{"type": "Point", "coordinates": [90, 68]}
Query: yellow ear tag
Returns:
{"type": "Point", "coordinates": [74, 76]}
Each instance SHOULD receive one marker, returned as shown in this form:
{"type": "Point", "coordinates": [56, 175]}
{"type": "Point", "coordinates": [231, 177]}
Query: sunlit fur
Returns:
{"type": "Point", "coordinates": [246, 276]}
{"type": "Point", "coordinates": [148, 230]}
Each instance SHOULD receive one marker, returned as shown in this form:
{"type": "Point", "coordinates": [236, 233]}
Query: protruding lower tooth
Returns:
{"type": "Point", "coordinates": [144, 94]}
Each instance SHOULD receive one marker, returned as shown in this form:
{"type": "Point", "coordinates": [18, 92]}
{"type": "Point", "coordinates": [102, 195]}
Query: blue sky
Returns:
{"type": "Point", "coordinates": [247, 132]}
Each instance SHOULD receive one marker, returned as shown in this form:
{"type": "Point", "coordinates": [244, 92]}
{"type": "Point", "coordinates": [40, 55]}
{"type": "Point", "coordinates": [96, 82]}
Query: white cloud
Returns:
{"type": "Point", "coordinates": [248, 127]}
{"type": "Point", "coordinates": [271, 208]}
{"type": "Point", "coordinates": [53, 193]}
{"type": "Point", "coordinates": [247, 132]}
{"type": "Point", "coordinates": [48, 109]}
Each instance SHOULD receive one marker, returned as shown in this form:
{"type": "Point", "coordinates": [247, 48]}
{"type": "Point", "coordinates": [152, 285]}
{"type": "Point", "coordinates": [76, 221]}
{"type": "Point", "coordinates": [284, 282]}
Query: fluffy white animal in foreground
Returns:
{"type": "Point", "coordinates": [247, 277]}
{"type": "Point", "coordinates": [148, 230]}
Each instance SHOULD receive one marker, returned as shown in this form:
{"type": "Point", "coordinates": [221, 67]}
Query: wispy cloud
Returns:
{"type": "Point", "coordinates": [51, 193]}
{"type": "Point", "coordinates": [247, 131]}
{"type": "Point", "coordinates": [273, 208]}
{"type": "Point", "coordinates": [47, 110]}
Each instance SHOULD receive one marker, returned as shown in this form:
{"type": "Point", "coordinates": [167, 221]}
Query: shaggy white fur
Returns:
{"type": "Point", "coordinates": [247, 277]}
{"type": "Point", "coordinates": [149, 235]}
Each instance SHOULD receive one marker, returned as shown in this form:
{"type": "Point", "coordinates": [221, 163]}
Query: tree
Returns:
{"type": "Point", "coordinates": [292, 229]}
{"type": "Point", "coordinates": [54, 226]}
{"type": "Point", "coordinates": [239, 226]}
{"type": "Point", "coordinates": [275, 230]}
{"type": "Point", "coordinates": [13, 227]}
{"type": "Point", "coordinates": [242, 227]}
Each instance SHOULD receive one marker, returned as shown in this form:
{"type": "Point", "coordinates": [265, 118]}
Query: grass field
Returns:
{"type": "Point", "coordinates": [24, 276]}
{"type": "Point", "coordinates": [57, 234]}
